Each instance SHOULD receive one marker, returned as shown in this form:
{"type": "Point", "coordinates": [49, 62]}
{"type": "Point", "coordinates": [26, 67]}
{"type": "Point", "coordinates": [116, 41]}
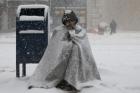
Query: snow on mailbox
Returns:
{"type": "Point", "coordinates": [32, 27]}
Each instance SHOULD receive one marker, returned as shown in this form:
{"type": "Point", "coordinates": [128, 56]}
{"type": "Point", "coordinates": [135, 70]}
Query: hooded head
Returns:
{"type": "Point", "coordinates": [69, 15]}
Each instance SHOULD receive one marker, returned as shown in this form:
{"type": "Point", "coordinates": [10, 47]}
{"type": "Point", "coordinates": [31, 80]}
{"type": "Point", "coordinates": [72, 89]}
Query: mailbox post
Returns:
{"type": "Point", "coordinates": [32, 28]}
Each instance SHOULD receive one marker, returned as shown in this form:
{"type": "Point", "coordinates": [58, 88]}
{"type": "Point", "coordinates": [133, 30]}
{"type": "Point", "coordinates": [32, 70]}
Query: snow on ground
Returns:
{"type": "Point", "coordinates": [117, 57]}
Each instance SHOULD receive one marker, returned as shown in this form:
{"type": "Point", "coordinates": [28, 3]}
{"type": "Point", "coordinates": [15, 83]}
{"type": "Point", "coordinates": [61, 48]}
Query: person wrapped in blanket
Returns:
{"type": "Point", "coordinates": [68, 62]}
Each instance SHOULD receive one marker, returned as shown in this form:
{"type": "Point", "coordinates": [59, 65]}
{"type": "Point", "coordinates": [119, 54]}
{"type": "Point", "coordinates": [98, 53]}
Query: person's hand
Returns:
{"type": "Point", "coordinates": [78, 28]}
{"type": "Point", "coordinates": [72, 33]}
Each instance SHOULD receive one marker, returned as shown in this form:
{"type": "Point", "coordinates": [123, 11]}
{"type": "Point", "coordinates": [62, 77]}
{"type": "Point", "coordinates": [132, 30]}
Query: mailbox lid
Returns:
{"type": "Point", "coordinates": [33, 10]}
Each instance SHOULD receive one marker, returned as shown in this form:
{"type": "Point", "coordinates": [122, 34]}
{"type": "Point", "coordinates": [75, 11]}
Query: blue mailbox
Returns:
{"type": "Point", "coordinates": [32, 27]}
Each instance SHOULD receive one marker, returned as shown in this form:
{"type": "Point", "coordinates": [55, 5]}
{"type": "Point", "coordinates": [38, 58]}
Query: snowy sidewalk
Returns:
{"type": "Point", "coordinates": [117, 57]}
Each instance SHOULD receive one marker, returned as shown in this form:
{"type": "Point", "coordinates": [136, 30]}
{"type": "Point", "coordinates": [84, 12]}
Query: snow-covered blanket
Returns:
{"type": "Point", "coordinates": [66, 58]}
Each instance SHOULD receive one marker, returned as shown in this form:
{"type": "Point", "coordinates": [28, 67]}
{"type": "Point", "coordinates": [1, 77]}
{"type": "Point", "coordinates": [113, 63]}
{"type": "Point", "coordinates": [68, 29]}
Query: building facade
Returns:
{"type": "Point", "coordinates": [90, 12]}
{"type": "Point", "coordinates": [124, 12]}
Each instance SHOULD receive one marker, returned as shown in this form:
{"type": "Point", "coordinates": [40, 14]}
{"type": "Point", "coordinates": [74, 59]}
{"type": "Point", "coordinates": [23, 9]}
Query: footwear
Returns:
{"type": "Point", "coordinates": [30, 87]}
{"type": "Point", "coordinates": [64, 85]}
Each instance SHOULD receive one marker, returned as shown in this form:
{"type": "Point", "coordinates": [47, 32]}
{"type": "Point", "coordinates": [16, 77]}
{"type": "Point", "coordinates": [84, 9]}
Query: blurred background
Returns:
{"type": "Point", "coordinates": [90, 12]}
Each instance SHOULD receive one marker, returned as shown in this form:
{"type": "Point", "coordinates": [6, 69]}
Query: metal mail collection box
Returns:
{"type": "Point", "coordinates": [31, 35]}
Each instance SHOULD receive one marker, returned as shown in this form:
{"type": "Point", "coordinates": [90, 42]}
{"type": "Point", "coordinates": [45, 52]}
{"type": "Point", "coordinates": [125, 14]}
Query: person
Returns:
{"type": "Point", "coordinates": [113, 26]}
{"type": "Point", "coordinates": [68, 62]}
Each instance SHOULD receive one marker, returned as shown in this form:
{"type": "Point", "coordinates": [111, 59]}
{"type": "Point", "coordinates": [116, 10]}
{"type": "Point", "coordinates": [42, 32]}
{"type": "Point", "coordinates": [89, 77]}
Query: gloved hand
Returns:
{"type": "Point", "coordinates": [78, 29]}
{"type": "Point", "coordinates": [77, 32]}
{"type": "Point", "coordinates": [72, 33]}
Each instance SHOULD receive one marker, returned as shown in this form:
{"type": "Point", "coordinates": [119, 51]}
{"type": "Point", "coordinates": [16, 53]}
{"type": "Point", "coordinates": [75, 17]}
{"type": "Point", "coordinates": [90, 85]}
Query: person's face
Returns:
{"type": "Point", "coordinates": [70, 24]}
